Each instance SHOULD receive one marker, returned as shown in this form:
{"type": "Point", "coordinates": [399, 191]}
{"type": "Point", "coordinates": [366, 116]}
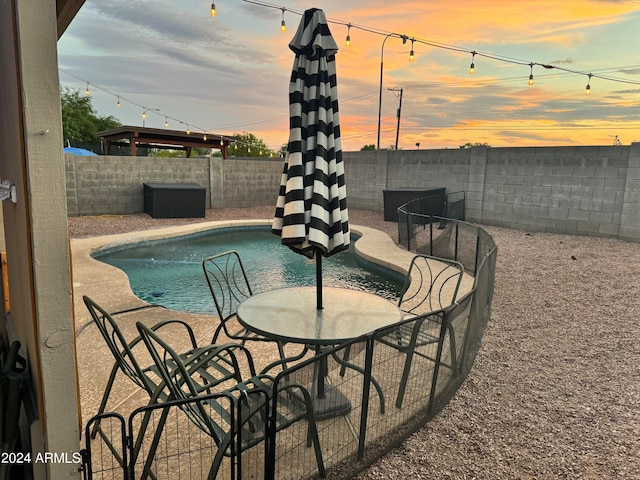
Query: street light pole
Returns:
{"type": "Point", "coordinates": [144, 113]}
{"type": "Point", "coordinates": [404, 40]}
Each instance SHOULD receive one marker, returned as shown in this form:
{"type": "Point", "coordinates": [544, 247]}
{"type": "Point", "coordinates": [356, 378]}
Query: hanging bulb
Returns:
{"type": "Point", "coordinates": [531, 75]}
{"type": "Point", "coordinates": [412, 56]}
{"type": "Point", "coordinates": [166, 122]}
{"type": "Point", "coordinates": [118, 104]}
{"type": "Point", "coordinates": [188, 130]}
{"type": "Point", "coordinates": [472, 68]}
{"type": "Point", "coordinates": [213, 9]}
{"type": "Point", "coordinates": [348, 41]}
{"type": "Point", "coordinates": [204, 137]}
{"type": "Point", "coordinates": [283, 25]}
{"type": "Point", "coordinates": [588, 89]}
{"type": "Point", "coordinates": [144, 114]}
{"type": "Point", "coordinates": [87, 92]}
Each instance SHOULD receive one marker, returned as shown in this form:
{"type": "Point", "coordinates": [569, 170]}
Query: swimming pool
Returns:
{"type": "Point", "coordinates": [169, 272]}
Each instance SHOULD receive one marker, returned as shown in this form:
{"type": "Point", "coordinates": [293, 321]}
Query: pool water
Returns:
{"type": "Point", "coordinates": [169, 272]}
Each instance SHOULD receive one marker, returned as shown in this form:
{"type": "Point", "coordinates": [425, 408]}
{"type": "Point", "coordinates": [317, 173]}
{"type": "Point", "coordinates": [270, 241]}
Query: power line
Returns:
{"type": "Point", "coordinates": [454, 48]}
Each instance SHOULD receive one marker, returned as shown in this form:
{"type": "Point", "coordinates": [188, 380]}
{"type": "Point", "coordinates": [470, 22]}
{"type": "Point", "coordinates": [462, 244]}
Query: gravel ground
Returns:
{"type": "Point", "coordinates": [555, 389]}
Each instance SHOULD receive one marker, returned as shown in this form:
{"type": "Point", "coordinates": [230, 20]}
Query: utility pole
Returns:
{"type": "Point", "coordinates": [398, 113]}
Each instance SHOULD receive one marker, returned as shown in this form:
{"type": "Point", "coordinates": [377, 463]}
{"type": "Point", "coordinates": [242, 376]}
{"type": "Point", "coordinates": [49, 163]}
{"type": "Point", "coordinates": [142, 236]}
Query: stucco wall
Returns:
{"type": "Point", "coordinates": [578, 190]}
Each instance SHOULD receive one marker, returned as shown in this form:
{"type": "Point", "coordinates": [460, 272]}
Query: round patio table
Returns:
{"type": "Point", "coordinates": [290, 315]}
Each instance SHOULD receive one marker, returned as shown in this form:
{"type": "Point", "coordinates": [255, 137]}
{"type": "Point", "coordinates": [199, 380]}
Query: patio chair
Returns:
{"type": "Point", "coordinates": [125, 361]}
{"type": "Point", "coordinates": [229, 286]}
{"type": "Point", "coordinates": [431, 285]}
{"type": "Point", "coordinates": [195, 376]}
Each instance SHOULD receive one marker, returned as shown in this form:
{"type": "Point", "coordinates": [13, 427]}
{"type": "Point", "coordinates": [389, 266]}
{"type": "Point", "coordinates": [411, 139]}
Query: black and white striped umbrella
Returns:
{"type": "Point", "coordinates": [311, 212]}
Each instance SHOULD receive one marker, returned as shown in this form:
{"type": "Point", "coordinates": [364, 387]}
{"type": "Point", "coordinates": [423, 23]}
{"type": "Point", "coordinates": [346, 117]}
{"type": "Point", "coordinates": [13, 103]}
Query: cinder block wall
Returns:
{"type": "Point", "coordinates": [577, 190]}
{"type": "Point", "coordinates": [112, 185]}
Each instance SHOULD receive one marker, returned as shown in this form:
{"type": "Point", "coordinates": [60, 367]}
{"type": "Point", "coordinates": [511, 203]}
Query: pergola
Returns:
{"type": "Point", "coordinates": [129, 136]}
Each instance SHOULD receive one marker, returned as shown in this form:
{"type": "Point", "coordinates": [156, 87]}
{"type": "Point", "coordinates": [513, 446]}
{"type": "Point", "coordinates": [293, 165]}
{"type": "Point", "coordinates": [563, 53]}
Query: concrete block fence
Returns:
{"type": "Point", "coordinates": [575, 190]}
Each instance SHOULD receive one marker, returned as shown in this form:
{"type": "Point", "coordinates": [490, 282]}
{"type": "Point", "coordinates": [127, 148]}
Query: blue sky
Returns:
{"type": "Point", "coordinates": [230, 73]}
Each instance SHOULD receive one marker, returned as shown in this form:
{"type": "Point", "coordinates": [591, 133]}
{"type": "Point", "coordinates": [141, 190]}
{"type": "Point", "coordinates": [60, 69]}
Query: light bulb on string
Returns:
{"type": "Point", "coordinates": [166, 122]}
{"type": "Point", "coordinates": [472, 67]}
{"type": "Point", "coordinates": [283, 25]}
{"type": "Point", "coordinates": [531, 75]}
{"type": "Point", "coordinates": [87, 92]}
{"type": "Point", "coordinates": [204, 137]}
{"type": "Point", "coordinates": [144, 113]}
{"type": "Point", "coordinates": [188, 130]}
{"type": "Point", "coordinates": [213, 9]}
{"type": "Point", "coordinates": [412, 56]}
{"type": "Point", "coordinates": [588, 89]}
{"type": "Point", "coordinates": [348, 41]}
{"type": "Point", "coordinates": [118, 104]}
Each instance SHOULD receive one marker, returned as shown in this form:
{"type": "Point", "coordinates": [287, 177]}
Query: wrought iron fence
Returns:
{"type": "Point", "coordinates": [378, 390]}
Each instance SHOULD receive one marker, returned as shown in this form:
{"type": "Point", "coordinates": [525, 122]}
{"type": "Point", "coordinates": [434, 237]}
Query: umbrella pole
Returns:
{"type": "Point", "coordinates": [318, 280]}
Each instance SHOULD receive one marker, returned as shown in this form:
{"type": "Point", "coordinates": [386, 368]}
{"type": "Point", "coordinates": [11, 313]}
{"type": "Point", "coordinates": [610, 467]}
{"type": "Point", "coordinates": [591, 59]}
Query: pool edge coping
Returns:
{"type": "Point", "coordinates": [92, 277]}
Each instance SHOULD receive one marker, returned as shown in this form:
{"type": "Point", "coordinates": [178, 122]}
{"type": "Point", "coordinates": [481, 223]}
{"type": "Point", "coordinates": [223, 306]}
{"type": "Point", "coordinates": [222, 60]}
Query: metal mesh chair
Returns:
{"type": "Point", "coordinates": [431, 285]}
{"type": "Point", "coordinates": [229, 286]}
{"type": "Point", "coordinates": [146, 378]}
{"type": "Point", "coordinates": [215, 369]}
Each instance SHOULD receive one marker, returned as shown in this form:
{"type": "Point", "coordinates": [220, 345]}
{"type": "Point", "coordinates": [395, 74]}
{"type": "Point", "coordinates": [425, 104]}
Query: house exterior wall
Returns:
{"type": "Point", "coordinates": [35, 232]}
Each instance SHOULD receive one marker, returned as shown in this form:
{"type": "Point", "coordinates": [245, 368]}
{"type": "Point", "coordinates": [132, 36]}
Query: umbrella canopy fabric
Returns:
{"type": "Point", "coordinates": [79, 151]}
{"type": "Point", "coordinates": [311, 211]}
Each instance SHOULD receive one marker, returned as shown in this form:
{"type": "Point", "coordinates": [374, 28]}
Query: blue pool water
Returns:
{"type": "Point", "coordinates": [169, 272]}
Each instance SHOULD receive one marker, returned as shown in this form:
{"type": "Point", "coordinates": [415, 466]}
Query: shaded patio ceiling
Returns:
{"type": "Point", "coordinates": [129, 136]}
{"type": "Point", "coordinates": [66, 10]}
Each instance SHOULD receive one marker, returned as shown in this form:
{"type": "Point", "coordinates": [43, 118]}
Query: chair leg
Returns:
{"type": "Point", "coordinates": [345, 359]}
{"type": "Point", "coordinates": [453, 351]}
{"type": "Point", "coordinates": [405, 378]}
{"type": "Point", "coordinates": [105, 398]}
{"type": "Point", "coordinates": [147, 472]}
{"type": "Point", "coordinates": [344, 365]}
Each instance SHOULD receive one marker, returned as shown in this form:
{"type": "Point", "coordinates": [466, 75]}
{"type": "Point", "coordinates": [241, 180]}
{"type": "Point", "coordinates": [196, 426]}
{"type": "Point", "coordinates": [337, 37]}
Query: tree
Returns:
{"type": "Point", "coordinates": [248, 145]}
{"type": "Point", "coordinates": [477, 144]}
{"type": "Point", "coordinates": [368, 147]}
{"type": "Point", "coordinates": [80, 121]}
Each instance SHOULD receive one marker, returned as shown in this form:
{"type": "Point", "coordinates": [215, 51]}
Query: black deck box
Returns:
{"type": "Point", "coordinates": [174, 200]}
{"type": "Point", "coordinates": [434, 202]}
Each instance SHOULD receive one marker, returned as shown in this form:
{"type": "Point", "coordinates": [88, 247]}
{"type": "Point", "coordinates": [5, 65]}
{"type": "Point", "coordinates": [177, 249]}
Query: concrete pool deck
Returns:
{"type": "Point", "coordinates": [109, 287]}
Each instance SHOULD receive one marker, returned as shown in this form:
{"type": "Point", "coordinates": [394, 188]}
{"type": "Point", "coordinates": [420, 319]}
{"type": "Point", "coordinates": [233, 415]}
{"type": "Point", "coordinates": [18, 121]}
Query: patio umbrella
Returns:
{"type": "Point", "coordinates": [311, 212]}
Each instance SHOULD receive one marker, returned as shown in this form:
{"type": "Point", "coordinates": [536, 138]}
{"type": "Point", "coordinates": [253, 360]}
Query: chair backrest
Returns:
{"type": "Point", "coordinates": [179, 374]}
{"type": "Point", "coordinates": [432, 283]}
{"type": "Point", "coordinates": [118, 345]}
{"type": "Point", "coordinates": [227, 282]}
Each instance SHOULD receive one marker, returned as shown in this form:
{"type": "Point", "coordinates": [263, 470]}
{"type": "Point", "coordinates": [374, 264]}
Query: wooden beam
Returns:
{"type": "Point", "coordinates": [66, 11]}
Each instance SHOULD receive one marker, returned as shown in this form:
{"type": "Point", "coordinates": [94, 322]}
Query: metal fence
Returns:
{"type": "Point", "coordinates": [381, 391]}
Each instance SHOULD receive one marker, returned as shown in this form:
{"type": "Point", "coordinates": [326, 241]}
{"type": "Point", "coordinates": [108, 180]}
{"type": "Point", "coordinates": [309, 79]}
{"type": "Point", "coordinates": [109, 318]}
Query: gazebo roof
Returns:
{"type": "Point", "coordinates": [164, 138]}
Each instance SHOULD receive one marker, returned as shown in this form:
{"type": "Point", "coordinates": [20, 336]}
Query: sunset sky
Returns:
{"type": "Point", "coordinates": [230, 73]}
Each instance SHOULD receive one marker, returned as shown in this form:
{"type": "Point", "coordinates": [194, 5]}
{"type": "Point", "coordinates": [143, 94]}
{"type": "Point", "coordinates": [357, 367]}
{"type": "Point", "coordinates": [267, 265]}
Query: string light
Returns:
{"type": "Point", "coordinates": [87, 92]}
{"type": "Point", "coordinates": [348, 41]}
{"type": "Point", "coordinates": [144, 113]}
{"type": "Point", "coordinates": [531, 75]}
{"type": "Point", "coordinates": [188, 130]}
{"type": "Point", "coordinates": [121, 99]}
{"type": "Point", "coordinates": [166, 122]}
{"type": "Point", "coordinates": [213, 9]}
{"type": "Point", "coordinates": [453, 48]}
{"type": "Point", "coordinates": [204, 137]}
{"type": "Point", "coordinates": [588, 89]}
{"type": "Point", "coordinates": [283, 25]}
{"type": "Point", "coordinates": [412, 56]}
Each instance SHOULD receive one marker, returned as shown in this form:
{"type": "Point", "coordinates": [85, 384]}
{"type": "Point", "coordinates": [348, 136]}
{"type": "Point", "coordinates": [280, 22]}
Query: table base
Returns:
{"type": "Point", "coordinates": [333, 404]}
